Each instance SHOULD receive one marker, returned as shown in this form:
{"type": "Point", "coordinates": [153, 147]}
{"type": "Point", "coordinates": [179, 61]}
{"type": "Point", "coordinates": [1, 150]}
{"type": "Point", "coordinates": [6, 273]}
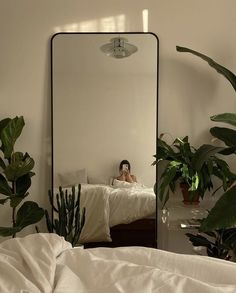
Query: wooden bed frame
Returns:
{"type": "Point", "coordinates": [138, 233]}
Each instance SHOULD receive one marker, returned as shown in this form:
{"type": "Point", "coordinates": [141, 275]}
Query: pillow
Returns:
{"type": "Point", "coordinates": [97, 180]}
{"type": "Point", "coordinates": [72, 178]}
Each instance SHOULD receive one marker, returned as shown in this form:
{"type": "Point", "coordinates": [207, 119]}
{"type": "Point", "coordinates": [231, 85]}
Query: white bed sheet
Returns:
{"type": "Point", "coordinates": [46, 263]}
{"type": "Point", "coordinates": [107, 206]}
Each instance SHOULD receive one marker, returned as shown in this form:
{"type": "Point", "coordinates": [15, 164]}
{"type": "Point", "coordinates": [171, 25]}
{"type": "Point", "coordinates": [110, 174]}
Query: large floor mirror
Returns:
{"type": "Point", "coordinates": [104, 109]}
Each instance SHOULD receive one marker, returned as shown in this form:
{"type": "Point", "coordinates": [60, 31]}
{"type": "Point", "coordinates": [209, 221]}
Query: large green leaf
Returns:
{"type": "Point", "coordinates": [3, 123]}
{"type": "Point", "coordinates": [219, 68]}
{"type": "Point", "coordinates": [17, 156]}
{"type": "Point", "coordinates": [9, 231]}
{"type": "Point", "coordinates": [4, 200]}
{"type": "Point", "coordinates": [221, 164]}
{"type": "Point", "coordinates": [227, 135]}
{"type": "Point", "coordinates": [223, 214]}
{"type": "Point", "coordinates": [198, 240]}
{"type": "Point", "coordinates": [168, 175]}
{"type": "Point", "coordinates": [4, 187]}
{"type": "Point", "coordinates": [17, 199]}
{"type": "Point", "coordinates": [23, 183]}
{"type": "Point", "coordinates": [10, 133]}
{"type": "Point", "coordinates": [203, 154]}
{"type": "Point", "coordinates": [229, 118]}
{"type": "Point", "coordinates": [2, 164]}
{"type": "Point", "coordinates": [29, 213]}
{"type": "Point", "coordinates": [19, 168]}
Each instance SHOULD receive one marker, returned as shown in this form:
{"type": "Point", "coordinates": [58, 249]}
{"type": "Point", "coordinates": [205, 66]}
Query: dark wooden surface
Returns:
{"type": "Point", "coordinates": [138, 233]}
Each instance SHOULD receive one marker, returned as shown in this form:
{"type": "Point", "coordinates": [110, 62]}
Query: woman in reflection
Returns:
{"type": "Point", "coordinates": [125, 174]}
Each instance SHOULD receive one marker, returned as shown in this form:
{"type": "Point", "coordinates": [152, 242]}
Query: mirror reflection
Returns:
{"type": "Point", "coordinates": [104, 132]}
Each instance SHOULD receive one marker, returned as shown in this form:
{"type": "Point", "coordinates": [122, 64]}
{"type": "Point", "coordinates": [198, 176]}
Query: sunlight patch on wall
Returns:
{"type": "Point", "coordinates": [105, 24]}
{"type": "Point", "coordinates": [145, 20]}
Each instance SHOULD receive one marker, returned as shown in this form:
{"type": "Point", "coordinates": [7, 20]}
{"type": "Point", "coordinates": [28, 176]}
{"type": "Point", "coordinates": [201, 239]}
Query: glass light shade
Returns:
{"type": "Point", "coordinates": [118, 48]}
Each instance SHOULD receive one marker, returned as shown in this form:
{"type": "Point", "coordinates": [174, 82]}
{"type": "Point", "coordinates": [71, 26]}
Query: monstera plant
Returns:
{"type": "Point", "coordinates": [223, 214]}
{"type": "Point", "coordinates": [15, 178]}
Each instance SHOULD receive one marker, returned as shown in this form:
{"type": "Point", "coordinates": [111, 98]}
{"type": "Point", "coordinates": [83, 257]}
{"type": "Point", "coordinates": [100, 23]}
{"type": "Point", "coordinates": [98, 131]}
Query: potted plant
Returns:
{"type": "Point", "coordinates": [68, 220]}
{"type": "Point", "coordinates": [223, 214]}
{"type": "Point", "coordinates": [15, 178]}
{"type": "Point", "coordinates": [218, 243]}
{"type": "Point", "coordinates": [192, 168]}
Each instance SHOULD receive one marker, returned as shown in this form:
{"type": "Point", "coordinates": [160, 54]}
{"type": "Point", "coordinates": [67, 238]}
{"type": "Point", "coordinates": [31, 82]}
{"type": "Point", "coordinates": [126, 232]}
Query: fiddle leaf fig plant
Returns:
{"type": "Point", "coordinates": [223, 214]}
{"type": "Point", "coordinates": [15, 178]}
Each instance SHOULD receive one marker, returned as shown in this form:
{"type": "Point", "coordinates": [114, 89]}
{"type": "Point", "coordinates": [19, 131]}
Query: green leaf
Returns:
{"type": "Point", "coordinates": [203, 154]}
{"type": "Point", "coordinates": [227, 135]}
{"type": "Point", "coordinates": [4, 187]}
{"type": "Point", "coordinates": [195, 183]}
{"type": "Point", "coordinates": [3, 123]}
{"type": "Point", "coordinates": [223, 214]}
{"type": "Point", "coordinates": [229, 118]}
{"type": "Point", "coordinates": [29, 213]}
{"type": "Point", "coordinates": [16, 200]}
{"type": "Point", "coordinates": [2, 164]}
{"type": "Point", "coordinates": [23, 183]}
{"type": "Point", "coordinates": [10, 134]}
{"type": "Point", "coordinates": [19, 168]}
{"type": "Point", "coordinates": [228, 151]}
{"type": "Point", "coordinates": [8, 231]}
{"type": "Point", "coordinates": [198, 240]}
{"type": "Point", "coordinates": [219, 68]}
{"type": "Point", "coordinates": [17, 156]}
{"type": "Point", "coordinates": [4, 200]}
{"type": "Point", "coordinates": [168, 176]}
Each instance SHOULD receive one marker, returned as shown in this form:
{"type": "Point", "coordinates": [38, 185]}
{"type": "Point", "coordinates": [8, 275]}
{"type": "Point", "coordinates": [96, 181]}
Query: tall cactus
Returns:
{"type": "Point", "coordinates": [69, 220]}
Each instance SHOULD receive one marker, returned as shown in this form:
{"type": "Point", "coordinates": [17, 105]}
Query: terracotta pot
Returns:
{"type": "Point", "coordinates": [187, 199]}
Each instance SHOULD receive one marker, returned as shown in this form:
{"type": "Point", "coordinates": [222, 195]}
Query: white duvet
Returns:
{"type": "Point", "coordinates": [46, 263]}
{"type": "Point", "coordinates": [108, 206]}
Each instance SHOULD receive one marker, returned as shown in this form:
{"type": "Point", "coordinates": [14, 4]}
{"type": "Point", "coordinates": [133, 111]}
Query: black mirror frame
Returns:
{"type": "Point", "coordinates": [52, 115]}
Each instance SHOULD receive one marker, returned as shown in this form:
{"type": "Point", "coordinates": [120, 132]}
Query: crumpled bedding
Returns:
{"type": "Point", "coordinates": [107, 206]}
{"type": "Point", "coordinates": [47, 263]}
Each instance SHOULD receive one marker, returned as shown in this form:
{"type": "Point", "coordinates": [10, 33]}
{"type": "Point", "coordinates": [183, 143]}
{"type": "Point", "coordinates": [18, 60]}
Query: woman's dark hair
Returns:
{"type": "Point", "coordinates": [124, 162]}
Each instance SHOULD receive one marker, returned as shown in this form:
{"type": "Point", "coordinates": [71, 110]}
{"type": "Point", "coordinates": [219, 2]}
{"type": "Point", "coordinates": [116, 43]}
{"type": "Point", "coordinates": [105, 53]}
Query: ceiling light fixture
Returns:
{"type": "Point", "coordinates": [118, 48]}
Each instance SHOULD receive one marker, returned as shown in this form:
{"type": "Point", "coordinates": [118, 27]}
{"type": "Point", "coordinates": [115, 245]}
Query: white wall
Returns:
{"type": "Point", "coordinates": [102, 119]}
{"type": "Point", "coordinates": [104, 108]}
{"type": "Point", "coordinates": [189, 90]}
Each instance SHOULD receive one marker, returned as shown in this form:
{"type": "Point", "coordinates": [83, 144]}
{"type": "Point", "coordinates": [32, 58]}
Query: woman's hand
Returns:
{"type": "Point", "coordinates": [125, 172]}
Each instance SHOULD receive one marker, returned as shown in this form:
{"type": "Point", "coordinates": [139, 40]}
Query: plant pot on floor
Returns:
{"type": "Point", "coordinates": [188, 199]}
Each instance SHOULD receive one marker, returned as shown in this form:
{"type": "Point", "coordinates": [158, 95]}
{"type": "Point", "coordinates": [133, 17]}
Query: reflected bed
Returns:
{"type": "Point", "coordinates": [118, 215]}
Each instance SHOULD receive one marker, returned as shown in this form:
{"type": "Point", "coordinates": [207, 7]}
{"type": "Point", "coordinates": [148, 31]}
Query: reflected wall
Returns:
{"type": "Point", "coordinates": [104, 109]}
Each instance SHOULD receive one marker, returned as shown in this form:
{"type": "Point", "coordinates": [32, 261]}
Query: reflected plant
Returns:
{"type": "Point", "coordinates": [68, 220]}
{"type": "Point", "coordinates": [185, 164]}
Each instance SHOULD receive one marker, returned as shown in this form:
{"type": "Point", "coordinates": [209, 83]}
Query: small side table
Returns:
{"type": "Point", "coordinates": [177, 219]}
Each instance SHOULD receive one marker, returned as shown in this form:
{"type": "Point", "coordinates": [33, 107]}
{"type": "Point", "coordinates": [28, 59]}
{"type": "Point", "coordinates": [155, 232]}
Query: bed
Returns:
{"type": "Point", "coordinates": [119, 215]}
{"type": "Point", "coordinates": [45, 263]}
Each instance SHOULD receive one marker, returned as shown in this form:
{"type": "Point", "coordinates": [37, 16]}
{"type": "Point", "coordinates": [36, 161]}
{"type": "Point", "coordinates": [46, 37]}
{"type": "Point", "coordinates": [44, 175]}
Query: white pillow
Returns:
{"type": "Point", "coordinates": [97, 180]}
{"type": "Point", "coordinates": [72, 178]}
